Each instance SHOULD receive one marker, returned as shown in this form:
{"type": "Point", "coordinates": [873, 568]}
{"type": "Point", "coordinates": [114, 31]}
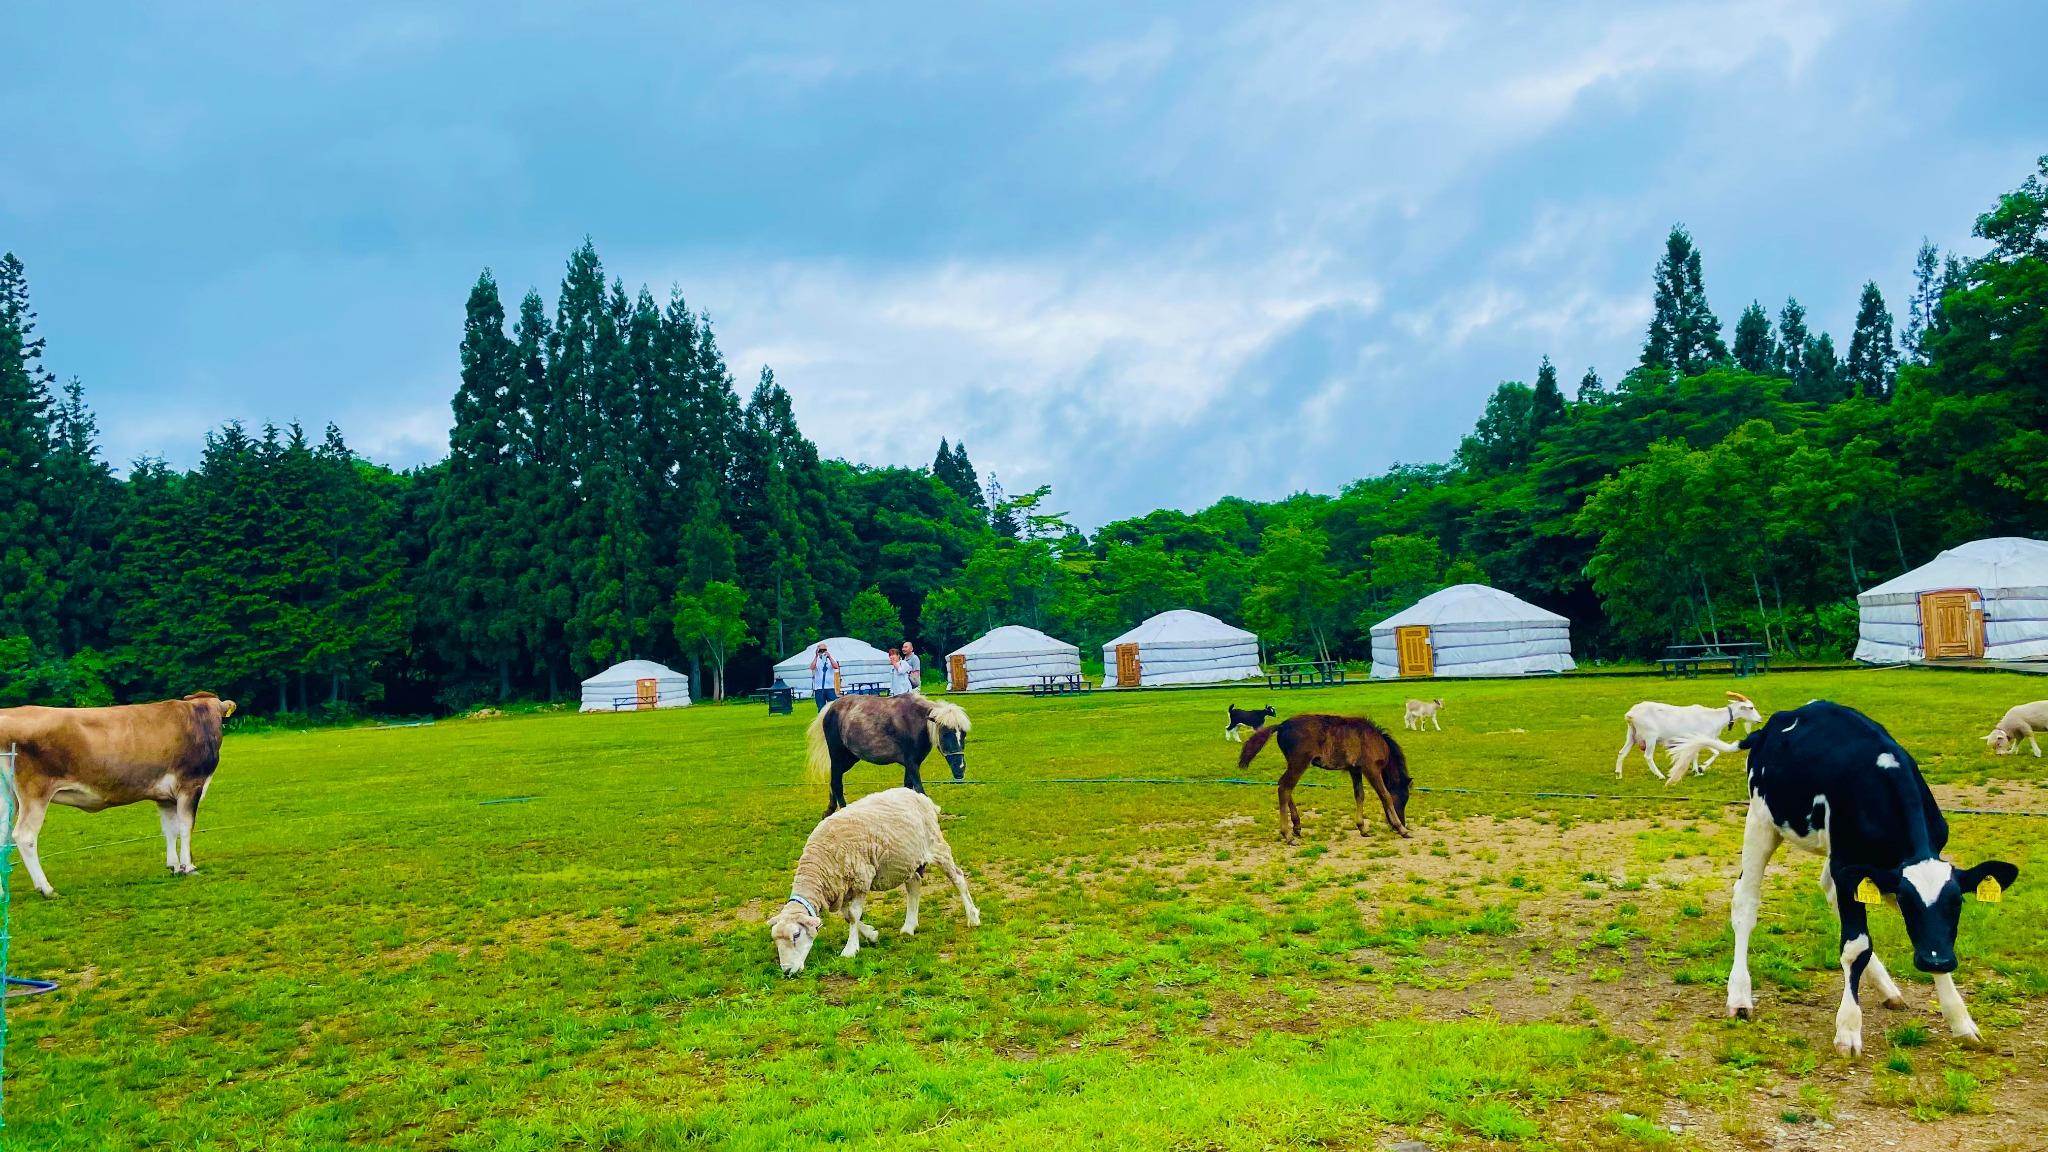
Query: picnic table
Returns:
{"type": "Point", "coordinates": [1059, 684]}
{"type": "Point", "coordinates": [1743, 658]}
{"type": "Point", "coordinates": [866, 688]}
{"type": "Point", "coordinates": [1305, 674]}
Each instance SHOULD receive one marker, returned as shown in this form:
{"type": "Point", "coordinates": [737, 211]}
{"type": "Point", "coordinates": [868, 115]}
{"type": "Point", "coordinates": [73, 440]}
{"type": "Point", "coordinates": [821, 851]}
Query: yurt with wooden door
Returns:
{"type": "Point", "coordinates": [1012, 656]}
{"type": "Point", "coordinates": [1180, 647]}
{"type": "Point", "coordinates": [1471, 630]}
{"type": "Point", "coordinates": [636, 686]}
{"type": "Point", "coordinates": [860, 664]}
{"type": "Point", "coordinates": [1987, 599]}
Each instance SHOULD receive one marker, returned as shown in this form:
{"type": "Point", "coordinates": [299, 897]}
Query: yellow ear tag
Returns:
{"type": "Point", "coordinates": [1988, 890]}
{"type": "Point", "coordinates": [1867, 893]}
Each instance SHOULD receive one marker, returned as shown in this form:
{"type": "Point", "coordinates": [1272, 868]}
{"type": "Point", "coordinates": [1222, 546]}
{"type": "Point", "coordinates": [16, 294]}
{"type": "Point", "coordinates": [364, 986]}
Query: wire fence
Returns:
{"type": "Point", "coordinates": [6, 908]}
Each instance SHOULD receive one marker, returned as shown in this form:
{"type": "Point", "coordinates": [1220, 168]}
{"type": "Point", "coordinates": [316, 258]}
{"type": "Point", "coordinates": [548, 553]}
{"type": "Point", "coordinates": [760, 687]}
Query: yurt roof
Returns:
{"type": "Point", "coordinates": [1999, 562]}
{"type": "Point", "coordinates": [1013, 639]}
{"type": "Point", "coordinates": [1469, 604]}
{"type": "Point", "coordinates": [845, 648]}
{"type": "Point", "coordinates": [1181, 626]}
{"type": "Point", "coordinates": [628, 671]}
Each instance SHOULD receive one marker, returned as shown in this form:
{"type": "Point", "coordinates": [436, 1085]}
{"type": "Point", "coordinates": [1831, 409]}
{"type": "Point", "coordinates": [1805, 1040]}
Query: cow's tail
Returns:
{"type": "Point", "coordinates": [1253, 743]}
{"type": "Point", "coordinates": [818, 750]}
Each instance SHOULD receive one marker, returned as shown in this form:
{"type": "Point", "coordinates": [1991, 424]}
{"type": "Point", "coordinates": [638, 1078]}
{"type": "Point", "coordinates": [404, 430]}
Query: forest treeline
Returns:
{"type": "Point", "coordinates": [610, 492]}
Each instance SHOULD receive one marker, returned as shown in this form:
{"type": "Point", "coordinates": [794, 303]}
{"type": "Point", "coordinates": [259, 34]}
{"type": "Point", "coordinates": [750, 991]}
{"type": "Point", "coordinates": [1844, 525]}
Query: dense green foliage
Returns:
{"type": "Point", "coordinates": [608, 494]}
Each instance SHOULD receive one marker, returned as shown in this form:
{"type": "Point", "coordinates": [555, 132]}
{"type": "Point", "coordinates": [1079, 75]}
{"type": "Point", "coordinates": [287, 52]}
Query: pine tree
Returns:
{"type": "Point", "coordinates": [84, 501]}
{"type": "Point", "coordinates": [478, 540]}
{"type": "Point", "coordinates": [1792, 338]}
{"type": "Point", "coordinates": [1591, 389]}
{"type": "Point", "coordinates": [31, 592]}
{"type": "Point", "coordinates": [1547, 406]}
{"type": "Point", "coordinates": [1001, 516]}
{"type": "Point", "coordinates": [1756, 349]}
{"type": "Point", "coordinates": [969, 486]}
{"type": "Point", "coordinates": [1925, 306]}
{"type": "Point", "coordinates": [1684, 335]}
{"type": "Point", "coordinates": [1872, 358]}
{"type": "Point", "coordinates": [1821, 380]}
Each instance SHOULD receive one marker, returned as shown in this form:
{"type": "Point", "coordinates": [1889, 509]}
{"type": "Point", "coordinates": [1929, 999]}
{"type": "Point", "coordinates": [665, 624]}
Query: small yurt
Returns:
{"type": "Point", "coordinates": [1987, 599]}
{"type": "Point", "coordinates": [1471, 630]}
{"type": "Point", "coordinates": [1180, 647]}
{"type": "Point", "coordinates": [636, 686]}
{"type": "Point", "coordinates": [1012, 656]}
{"type": "Point", "coordinates": [859, 663]}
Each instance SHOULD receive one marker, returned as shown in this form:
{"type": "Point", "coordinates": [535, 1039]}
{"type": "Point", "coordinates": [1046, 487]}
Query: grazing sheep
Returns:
{"type": "Point", "coordinates": [878, 842]}
{"type": "Point", "coordinates": [1420, 710]}
{"type": "Point", "coordinates": [2023, 722]}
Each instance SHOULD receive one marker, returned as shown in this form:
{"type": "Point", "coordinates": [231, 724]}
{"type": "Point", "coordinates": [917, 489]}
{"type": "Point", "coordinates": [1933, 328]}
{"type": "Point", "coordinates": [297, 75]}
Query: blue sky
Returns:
{"type": "Point", "coordinates": [1150, 256]}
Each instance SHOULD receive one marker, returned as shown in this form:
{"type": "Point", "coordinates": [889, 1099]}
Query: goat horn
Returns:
{"type": "Point", "coordinates": [1738, 696]}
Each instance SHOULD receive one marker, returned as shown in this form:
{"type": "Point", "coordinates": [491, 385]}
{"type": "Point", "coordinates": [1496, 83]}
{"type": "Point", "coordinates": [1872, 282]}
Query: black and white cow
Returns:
{"type": "Point", "coordinates": [1832, 781]}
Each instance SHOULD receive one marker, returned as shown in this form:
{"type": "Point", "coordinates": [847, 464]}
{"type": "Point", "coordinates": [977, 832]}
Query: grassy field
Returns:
{"type": "Point", "coordinates": [545, 932]}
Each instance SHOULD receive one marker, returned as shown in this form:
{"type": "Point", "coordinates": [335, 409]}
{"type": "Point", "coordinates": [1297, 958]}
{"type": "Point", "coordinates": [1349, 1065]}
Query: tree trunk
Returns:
{"type": "Point", "coordinates": [553, 682]}
{"type": "Point", "coordinates": [1893, 516]}
{"type": "Point", "coordinates": [1758, 588]}
{"type": "Point", "coordinates": [334, 690]}
{"type": "Point", "coordinates": [1854, 578]}
{"type": "Point", "coordinates": [1713, 625]}
{"type": "Point", "coordinates": [284, 698]}
{"type": "Point", "coordinates": [697, 671]}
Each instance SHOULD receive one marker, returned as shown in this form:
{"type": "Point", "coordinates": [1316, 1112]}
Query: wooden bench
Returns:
{"type": "Point", "coordinates": [1743, 659]}
{"type": "Point", "coordinates": [1305, 674]}
{"type": "Point", "coordinates": [1060, 684]}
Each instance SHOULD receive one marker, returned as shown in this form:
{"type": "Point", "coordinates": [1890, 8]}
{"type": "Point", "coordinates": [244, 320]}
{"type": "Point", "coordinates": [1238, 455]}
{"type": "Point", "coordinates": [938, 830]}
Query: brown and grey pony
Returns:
{"type": "Point", "coordinates": [884, 730]}
{"type": "Point", "coordinates": [1350, 744]}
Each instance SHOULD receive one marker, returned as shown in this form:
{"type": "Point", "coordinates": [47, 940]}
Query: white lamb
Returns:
{"type": "Point", "coordinates": [1419, 710]}
{"type": "Point", "coordinates": [881, 841]}
{"type": "Point", "coordinates": [2022, 722]}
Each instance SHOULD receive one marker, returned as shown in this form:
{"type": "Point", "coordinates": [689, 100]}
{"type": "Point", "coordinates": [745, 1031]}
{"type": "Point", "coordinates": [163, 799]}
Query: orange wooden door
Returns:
{"type": "Point", "coordinates": [1129, 672]}
{"type": "Point", "coordinates": [646, 693]}
{"type": "Point", "coordinates": [956, 673]}
{"type": "Point", "coordinates": [1951, 624]}
{"type": "Point", "coordinates": [1417, 658]}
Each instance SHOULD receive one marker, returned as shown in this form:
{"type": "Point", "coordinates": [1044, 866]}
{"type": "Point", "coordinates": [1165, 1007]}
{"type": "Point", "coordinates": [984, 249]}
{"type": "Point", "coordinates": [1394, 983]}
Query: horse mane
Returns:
{"type": "Point", "coordinates": [946, 714]}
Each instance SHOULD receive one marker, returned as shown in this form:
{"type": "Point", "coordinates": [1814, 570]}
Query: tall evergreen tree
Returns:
{"type": "Point", "coordinates": [31, 560]}
{"type": "Point", "coordinates": [84, 500]}
{"type": "Point", "coordinates": [1755, 349]}
{"type": "Point", "coordinates": [1925, 305]}
{"type": "Point", "coordinates": [1546, 407]}
{"type": "Point", "coordinates": [1792, 338]}
{"type": "Point", "coordinates": [1822, 382]}
{"type": "Point", "coordinates": [1684, 335]}
{"type": "Point", "coordinates": [1001, 516]}
{"type": "Point", "coordinates": [1591, 389]}
{"type": "Point", "coordinates": [479, 542]}
{"type": "Point", "coordinates": [1872, 357]}
{"type": "Point", "coordinates": [969, 486]}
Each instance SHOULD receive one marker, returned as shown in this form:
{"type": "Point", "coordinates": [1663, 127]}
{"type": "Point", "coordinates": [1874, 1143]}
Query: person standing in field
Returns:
{"type": "Point", "coordinates": [913, 668]}
{"type": "Point", "coordinates": [824, 677]}
{"type": "Point", "coordinates": [899, 674]}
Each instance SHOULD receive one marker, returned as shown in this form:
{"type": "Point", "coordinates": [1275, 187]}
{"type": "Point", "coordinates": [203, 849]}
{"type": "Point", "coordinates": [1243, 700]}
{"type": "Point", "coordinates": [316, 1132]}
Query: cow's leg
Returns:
{"type": "Point", "coordinates": [1882, 978]}
{"type": "Point", "coordinates": [1358, 799]}
{"type": "Point", "coordinates": [1952, 1009]}
{"type": "Point", "coordinates": [28, 823]}
{"type": "Point", "coordinates": [188, 815]}
{"type": "Point", "coordinates": [1855, 958]}
{"type": "Point", "coordinates": [1759, 840]}
{"type": "Point", "coordinates": [854, 928]}
{"type": "Point", "coordinates": [942, 855]}
{"type": "Point", "coordinates": [167, 815]}
{"type": "Point", "coordinates": [911, 888]}
{"type": "Point", "coordinates": [1394, 821]}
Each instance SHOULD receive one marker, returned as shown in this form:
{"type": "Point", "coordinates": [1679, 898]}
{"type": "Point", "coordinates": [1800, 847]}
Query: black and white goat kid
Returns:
{"type": "Point", "coordinates": [1834, 782]}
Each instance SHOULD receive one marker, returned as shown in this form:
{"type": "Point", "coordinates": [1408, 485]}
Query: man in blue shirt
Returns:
{"type": "Point", "coordinates": [824, 675]}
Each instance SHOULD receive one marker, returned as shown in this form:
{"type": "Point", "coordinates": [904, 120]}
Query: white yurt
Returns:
{"type": "Point", "coordinates": [1987, 599]}
{"type": "Point", "coordinates": [635, 686]}
{"type": "Point", "coordinates": [859, 663]}
{"type": "Point", "coordinates": [1012, 656]}
{"type": "Point", "coordinates": [1471, 630]}
{"type": "Point", "coordinates": [1180, 647]}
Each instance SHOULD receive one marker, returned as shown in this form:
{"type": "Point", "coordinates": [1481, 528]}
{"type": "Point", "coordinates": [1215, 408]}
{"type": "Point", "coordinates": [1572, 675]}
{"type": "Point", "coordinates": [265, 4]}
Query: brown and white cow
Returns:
{"type": "Point", "coordinates": [97, 758]}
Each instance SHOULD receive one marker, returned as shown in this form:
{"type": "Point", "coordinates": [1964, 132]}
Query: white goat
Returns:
{"type": "Point", "coordinates": [1651, 724]}
{"type": "Point", "coordinates": [2022, 722]}
{"type": "Point", "coordinates": [878, 842]}
{"type": "Point", "coordinates": [1420, 710]}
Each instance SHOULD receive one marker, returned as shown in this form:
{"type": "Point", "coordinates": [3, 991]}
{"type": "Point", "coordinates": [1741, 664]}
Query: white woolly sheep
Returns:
{"type": "Point", "coordinates": [2022, 722]}
{"type": "Point", "coordinates": [878, 842]}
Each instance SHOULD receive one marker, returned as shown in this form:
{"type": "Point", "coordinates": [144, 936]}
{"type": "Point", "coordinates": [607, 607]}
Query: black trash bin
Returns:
{"type": "Point", "coordinates": [781, 699]}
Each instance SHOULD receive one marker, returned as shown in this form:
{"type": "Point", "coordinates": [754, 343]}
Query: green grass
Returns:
{"type": "Point", "coordinates": [375, 953]}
